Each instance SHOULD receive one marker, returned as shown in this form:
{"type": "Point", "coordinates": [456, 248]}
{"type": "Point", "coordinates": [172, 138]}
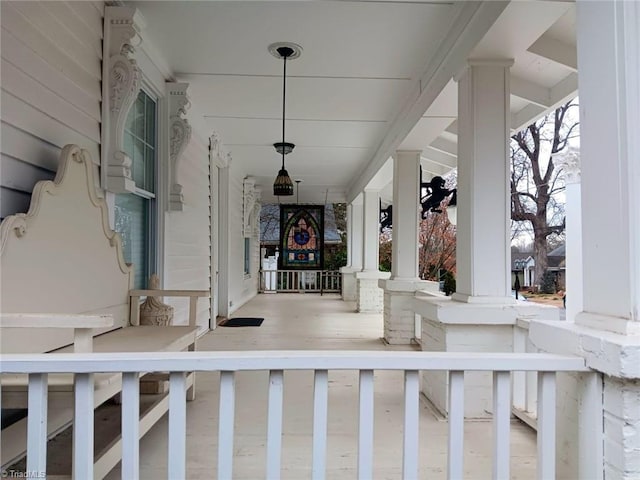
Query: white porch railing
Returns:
{"type": "Point", "coordinates": [524, 383]}
{"type": "Point", "coordinates": [38, 366]}
{"type": "Point", "coordinates": [311, 281]}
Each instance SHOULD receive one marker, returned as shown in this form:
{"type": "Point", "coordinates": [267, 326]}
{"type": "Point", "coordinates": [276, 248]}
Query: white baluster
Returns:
{"type": "Point", "coordinates": [455, 465]}
{"type": "Point", "coordinates": [83, 427]}
{"type": "Point", "coordinates": [320, 410]}
{"type": "Point", "coordinates": [130, 426]}
{"type": "Point", "coordinates": [546, 425]}
{"type": "Point", "coordinates": [501, 417]}
{"type": "Point", "coordinates": [365, 428]}
{"type": "Point", "coordinates": [274, 424]}
{"type": "Point", "coordinates": [177, 425]}
{"type": "Point", "coordinates": [226, 424]}
{"type": "Point", "coordinates": [410, 453]}
{"type": "Point", "coordinates": [37, 424]}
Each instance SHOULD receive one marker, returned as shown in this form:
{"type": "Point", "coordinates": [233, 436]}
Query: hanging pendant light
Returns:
{"type": "Point", "coordinates": [283, 186]}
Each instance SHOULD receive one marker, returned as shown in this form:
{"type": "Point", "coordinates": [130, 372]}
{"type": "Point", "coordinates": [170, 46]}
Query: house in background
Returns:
{"type": "Point", "coordinates": [523, 265]}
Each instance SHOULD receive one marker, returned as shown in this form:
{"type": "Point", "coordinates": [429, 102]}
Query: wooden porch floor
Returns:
{"type": "Point", "coordinates": [297, 321]}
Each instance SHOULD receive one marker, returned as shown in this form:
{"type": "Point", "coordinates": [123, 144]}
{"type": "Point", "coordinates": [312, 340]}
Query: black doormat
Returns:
{"type": "Point", "coordinates": [243, 322]}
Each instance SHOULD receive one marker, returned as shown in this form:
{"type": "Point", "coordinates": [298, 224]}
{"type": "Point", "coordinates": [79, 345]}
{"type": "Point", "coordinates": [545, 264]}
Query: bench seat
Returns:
{"type": "Point", "coordinates": [131, 339]}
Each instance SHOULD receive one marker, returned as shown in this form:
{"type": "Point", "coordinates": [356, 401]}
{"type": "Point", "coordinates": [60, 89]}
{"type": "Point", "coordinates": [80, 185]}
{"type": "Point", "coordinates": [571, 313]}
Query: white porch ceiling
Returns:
{"type": "Point", "coordinates": [373, 77]}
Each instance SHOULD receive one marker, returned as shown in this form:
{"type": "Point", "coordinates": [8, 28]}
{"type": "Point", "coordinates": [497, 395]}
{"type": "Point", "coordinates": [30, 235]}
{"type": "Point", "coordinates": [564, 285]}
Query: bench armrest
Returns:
{"type": "Point", "coordinates": [82, 325]}
{"type": "Point", "coordinates": [193, 295]}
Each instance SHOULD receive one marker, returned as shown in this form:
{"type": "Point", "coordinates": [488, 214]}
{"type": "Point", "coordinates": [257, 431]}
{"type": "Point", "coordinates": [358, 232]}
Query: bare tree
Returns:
{"type": "Point", "coordinates": [536, 180]}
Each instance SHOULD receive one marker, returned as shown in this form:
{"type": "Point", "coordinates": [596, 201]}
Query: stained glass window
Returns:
{"type": "Point", "coordinates": [301, 237]}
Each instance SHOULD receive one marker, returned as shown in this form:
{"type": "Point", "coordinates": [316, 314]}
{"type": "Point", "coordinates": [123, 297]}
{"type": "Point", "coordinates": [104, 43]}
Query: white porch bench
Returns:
{"type": "Point", "coordinates": [65, 288]}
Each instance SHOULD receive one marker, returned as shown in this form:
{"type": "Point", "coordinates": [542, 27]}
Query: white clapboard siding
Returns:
{"type": "Point", "coordinates": [57, 33]}
{"type": "Point", "coordinates": [187, 232]}
{"type": "Point", "coordinates": [23, 57]}
{"type": "Point", "coordinates": [22, 176]}
{"type": "Point", "coordinates": [71, 19]}
{"type": "Point", "coordinates": [34, 93]}
{"type": "Point", "coordinates": [51, 74]}
{"type": "Point", "coordinates": [29, 149]}
{"type": "Point", "coordinates": [34, 37]}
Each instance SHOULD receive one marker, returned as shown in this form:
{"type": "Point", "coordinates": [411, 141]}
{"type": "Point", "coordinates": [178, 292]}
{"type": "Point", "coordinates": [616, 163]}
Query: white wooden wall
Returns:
{"type": "Point", "coordinates": [241, 289]}
{"type": "Point", "coordinates": [50, 96]}
{"type": "Point", "coordinates": [187, 259]}
{"type": "Point", "coordinates": [51, 69]}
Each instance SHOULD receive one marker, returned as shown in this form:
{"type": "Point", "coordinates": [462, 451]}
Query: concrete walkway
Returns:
{"type": "Point", "coordinates": [306, 321]}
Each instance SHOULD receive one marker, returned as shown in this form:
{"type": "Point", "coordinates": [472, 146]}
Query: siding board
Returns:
{"type": "Point", "coordinates": [25, 117]}
{"type": "Point", "coordinates": [12, 201]}
{"type": "Point", "coordinates": [90, 16]}
{"type": "Point", "coordinates": [20, 144]}
{"type": "Point", "coordinates": [21, 176]}
{"type": "Point", "coordinates": [35, 40]}
{"type": "Point", "coordinates": [36, 67]}
{"type": "Point", "coordinates": [49, 25]}
{"type": "Point", "coordinates": [89, 39]}
{"type": "Point", "coordinates": [44, 100]}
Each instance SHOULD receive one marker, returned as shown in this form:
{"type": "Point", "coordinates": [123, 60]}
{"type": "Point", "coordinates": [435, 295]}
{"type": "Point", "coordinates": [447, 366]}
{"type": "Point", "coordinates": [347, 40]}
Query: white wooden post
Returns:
{"type": "Point", "coordinates": [226, 421]}
{"type": "Point", "coordinates": [455, 462]}
{"type": "Point", "coordinates": [274, 424]}
{"type": "Point", "coordinates": [37, 424]}
{"type": "Point", "coordinates": [131, 426]}
{"type": "Point", "coordinates": [83, 427]}
{"type": "Point", "coordinates": [177, 426]}
{"type": "Point", "coordinates": [365, 427]}
{"type": "Point", "coordinates": [320, 400]}
{"type": "Point", "coordinates": [501, 416]}
{"type": "Point", "coordinates": [546, 425]}
{"type": "Point", "coordinates": [410, 450]}
{"type": "Point", "coordinates": [590, 430]}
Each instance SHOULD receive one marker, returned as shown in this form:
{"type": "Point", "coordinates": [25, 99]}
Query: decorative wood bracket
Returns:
{"type": "Point", "coordinates": [250, 206]}
{"type": "Point", "coordinates": [179, 136]}
{"type": "Point", "coordinates": [121, 84]}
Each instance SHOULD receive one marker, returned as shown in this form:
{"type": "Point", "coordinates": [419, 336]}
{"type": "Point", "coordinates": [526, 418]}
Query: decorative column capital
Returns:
{"type": "Point", "coordinates": [121, 83]}
{"type": "Point", "coordinates": [179, 136]}
{"type": "Point", "coordinates": [570, 164]}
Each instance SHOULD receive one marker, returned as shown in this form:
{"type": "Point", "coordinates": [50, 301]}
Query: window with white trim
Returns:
{"type": "Point", "coordinates": [136, 213]}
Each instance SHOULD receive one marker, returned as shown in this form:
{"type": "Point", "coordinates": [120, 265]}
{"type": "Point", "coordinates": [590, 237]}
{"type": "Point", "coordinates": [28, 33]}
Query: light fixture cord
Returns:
{"type": "Point", "coordinates": [284, 102]}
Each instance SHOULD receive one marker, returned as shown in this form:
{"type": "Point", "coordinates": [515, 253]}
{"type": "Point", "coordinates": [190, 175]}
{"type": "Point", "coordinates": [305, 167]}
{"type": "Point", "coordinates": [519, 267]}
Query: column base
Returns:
{"type": "Point", "coordinates": [617, 358]}
{"type": "Point", "coordinates": [349, 284]}
{"type": "Point", "coordinates": [369, 296]}
{"type": "Point", "coordinates": [399, 317]}
{"type": "Point", "coordinates": [453, 326]}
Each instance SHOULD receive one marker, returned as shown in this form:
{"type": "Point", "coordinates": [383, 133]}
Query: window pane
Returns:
{"type": "Point", "coordinates": [150, 163]}
{"type": "Point", "coordinates": [138, 109]}
{"type": "Point", "coordinates": [138, 163]}
{"type": "Point", "coordinates": [150, 121]}
{"type": "Point", "coordinates": [247, 256]}
{"type": "Point", "coordinates": [132, 214]}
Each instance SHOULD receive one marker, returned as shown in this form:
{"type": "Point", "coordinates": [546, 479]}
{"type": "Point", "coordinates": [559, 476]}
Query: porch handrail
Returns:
{"type": "Point", "coordinates": [311, 281]}
{"type": "Point", "coordinates": [84, 365]}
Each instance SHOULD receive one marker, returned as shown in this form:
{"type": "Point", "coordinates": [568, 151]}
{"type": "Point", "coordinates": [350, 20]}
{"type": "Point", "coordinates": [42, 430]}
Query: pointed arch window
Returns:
{"type": "Point", "coordinates": [302, 237]}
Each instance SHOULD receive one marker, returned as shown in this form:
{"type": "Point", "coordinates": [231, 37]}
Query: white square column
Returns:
{"type": "Point", "coordinates": [481, 315]}
{"type": "Point", "coordinates": [484, 208]}
{"type": "Point", "coordinates": [369, 295]}
{"type": "Point", "coordinates": [607, 330]}
{"type": "Point", "coordinates": [354, 250]}
{"type": "Point", "coordinates": [399, 318]}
